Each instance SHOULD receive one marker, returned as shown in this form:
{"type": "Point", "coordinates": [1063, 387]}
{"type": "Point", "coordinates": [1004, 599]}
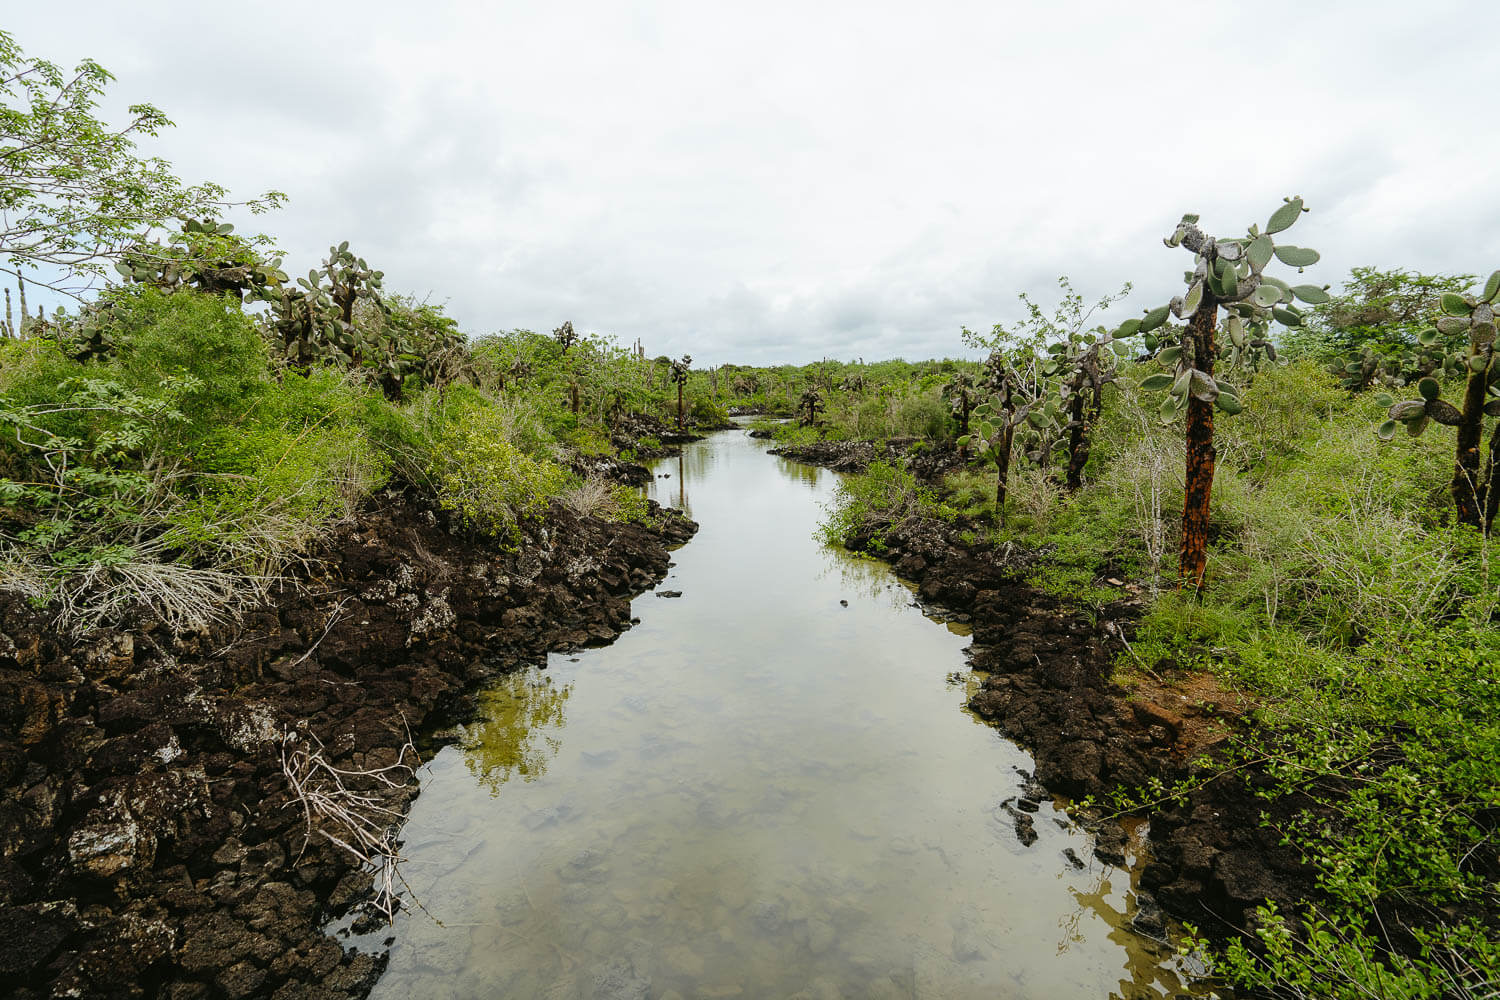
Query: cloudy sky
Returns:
{"type": "Point", "coordinates": [772, 182]}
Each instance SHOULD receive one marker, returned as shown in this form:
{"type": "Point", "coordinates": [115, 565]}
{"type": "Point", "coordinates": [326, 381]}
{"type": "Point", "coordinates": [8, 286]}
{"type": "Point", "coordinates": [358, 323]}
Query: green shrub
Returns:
{"type": "Point", "coordinates": [489, 482]}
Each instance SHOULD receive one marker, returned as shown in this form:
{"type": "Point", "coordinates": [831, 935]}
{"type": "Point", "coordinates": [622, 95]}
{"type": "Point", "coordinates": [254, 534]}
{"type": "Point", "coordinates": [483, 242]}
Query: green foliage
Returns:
{"type": "Point", "coordinates": [76, 194]}
{"type": "Point", "coordinates": [1228, 273]}
{"type": "Point", "coordinates": [1376, 317]}
{"type": "Point", "coordinates": [489, 482]}
{"type": "Point", "coordinates": [884, 496]}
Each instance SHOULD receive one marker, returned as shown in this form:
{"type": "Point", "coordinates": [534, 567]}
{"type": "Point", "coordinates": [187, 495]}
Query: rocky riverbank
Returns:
{"type": "Point", "coordinates": [926, 460]}
{"type": "Point", "coordinates": [1050, 684]}
{"type": "Point", "coordinates": [150, 843]}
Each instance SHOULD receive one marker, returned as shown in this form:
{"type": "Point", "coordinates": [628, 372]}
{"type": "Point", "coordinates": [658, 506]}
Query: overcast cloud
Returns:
{"type": "Point", "coordinates": [774, 182]}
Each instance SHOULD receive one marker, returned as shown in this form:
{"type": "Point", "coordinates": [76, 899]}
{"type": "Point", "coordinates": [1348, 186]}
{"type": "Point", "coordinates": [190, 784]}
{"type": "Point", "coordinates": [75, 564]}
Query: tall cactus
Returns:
{"type": "Point", "coordinates": [1228, 274]}
{"type": "Point", "coordinates": [1476, 490]}
{"type": "Point", "coordinates": [680, 370]}
{"type": "Point", "coordinates": [566, 338]}
{"type": "Point", "coordinates": [810, 403]}
{"type": "Point", "coordinates": [962, 392]}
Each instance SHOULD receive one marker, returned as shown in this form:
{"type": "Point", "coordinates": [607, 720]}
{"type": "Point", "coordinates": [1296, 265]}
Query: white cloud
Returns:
{"type": "Point", "coordinates": [782, 181]}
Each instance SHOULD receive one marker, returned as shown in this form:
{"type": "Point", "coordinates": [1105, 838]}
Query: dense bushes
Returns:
{"type": "Point", "coordinates": [186, 467]}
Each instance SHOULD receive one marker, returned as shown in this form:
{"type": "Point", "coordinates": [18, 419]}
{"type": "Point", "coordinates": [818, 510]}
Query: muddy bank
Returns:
{"type": "Point", "coordinates": [926, 459]}
{"type": "Point", "coordinates": [1050, 687]}
{"type": "Point", "coordinates": [149, 845]}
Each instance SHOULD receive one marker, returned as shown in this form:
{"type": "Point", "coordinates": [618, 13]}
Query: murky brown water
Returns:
{"type": "Point", "coordinates": [757, 792]}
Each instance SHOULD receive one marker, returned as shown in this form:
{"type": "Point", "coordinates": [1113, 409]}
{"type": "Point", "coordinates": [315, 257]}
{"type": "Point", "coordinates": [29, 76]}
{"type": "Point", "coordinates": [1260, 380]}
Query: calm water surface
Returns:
{"type": "Point", "coordinates": [757, 792]}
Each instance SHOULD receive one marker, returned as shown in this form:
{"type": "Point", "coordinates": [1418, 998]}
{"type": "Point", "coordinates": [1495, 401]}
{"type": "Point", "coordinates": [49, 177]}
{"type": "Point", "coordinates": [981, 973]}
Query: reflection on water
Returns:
{"type": "Point", "coordinates": [767, 789]}
{"type": "Point", "coordinates": [521, 729]}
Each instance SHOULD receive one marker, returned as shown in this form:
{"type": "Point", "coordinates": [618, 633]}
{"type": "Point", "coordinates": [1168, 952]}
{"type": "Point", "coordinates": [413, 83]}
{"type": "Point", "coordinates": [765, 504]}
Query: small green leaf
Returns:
{"type": "Point", "coordinates": [1297, 256]}
{"type": "Point", "coordinates": [1284, 216]}
{"type": "Point", "coordinates": [1192, 299]}
{"type": "Point", "coordinates": [1156, 383]}
{"type": "Point", "coordinates": [1266, 296]}
{"type": "Point", "coordinates": [1261, 249]}
{"type": "Point", "coordinates": [1383, 399]}
{"type": "Point", "coordinates": [1491, 288]}
{"type": "Point", "coordinates": [1155, 318]}
{"type": "Point", "coordinates": [1169, 357]}
{"type": "Point", "coordinates": [1455, 305]}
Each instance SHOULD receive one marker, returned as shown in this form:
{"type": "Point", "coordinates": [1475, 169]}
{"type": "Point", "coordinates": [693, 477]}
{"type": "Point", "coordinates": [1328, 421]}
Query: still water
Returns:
{"type": "Point", "coordinates": [757, 792]}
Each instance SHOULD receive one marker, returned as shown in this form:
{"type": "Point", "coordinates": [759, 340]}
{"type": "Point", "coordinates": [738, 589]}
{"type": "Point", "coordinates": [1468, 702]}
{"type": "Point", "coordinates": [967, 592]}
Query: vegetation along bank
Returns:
{"type": "Point", "coordinates": [259, 535]}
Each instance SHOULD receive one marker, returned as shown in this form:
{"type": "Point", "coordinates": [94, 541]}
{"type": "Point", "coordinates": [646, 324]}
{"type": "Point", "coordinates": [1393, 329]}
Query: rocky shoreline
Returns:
{"type": "Point", "coordinates": [921, 457]}
{"type": "Point", "coordinates": [150, 844]}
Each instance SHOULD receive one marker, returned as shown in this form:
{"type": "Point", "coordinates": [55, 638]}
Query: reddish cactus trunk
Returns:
{"type": "Point", "coordinates": [1201, 456]}
{"type": "Point", "coordinates": [680, 424]}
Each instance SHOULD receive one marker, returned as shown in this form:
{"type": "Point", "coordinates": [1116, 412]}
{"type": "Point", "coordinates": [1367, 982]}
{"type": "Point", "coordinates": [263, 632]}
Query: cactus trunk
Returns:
{"type": "Point", "coordinates": [1468, 496]}
{"type": "Point", "coordinates": [1490, 482]}
{"type": "Point", "coordinates": [1201, 456]}
{"type": "Point", "coordinates": [963, 424]}
{"type": "Point", "coordinates": [1002, 471]}
{"type": "Point", "coordinates": [680, 424]}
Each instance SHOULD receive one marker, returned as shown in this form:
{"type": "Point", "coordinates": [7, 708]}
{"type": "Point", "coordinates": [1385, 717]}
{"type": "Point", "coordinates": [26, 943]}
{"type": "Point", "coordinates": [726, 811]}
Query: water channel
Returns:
{"type": "Point", "coordinates": [768, 788]}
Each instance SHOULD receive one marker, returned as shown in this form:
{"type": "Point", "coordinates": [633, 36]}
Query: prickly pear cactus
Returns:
{"type": "Point", "coordinates": [680, 369]}
{"type": "Point", "coordinates": [1228, 273]}
{"type": "Point", "coordinates": [809, 405]}
{"type": "Point", "coordinates": [565, 336]}
{"type": "Point", "coordinates": [207, 256]}
{"type": "Point", "coordinates": [1476, 485]}
{"type": "Point", "coordinates": [854, 382]}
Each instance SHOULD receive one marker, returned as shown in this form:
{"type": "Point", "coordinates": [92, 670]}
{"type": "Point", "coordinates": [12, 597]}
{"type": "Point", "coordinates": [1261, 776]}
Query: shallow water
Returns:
{"type": "Point", "coordinates": [757, 792]}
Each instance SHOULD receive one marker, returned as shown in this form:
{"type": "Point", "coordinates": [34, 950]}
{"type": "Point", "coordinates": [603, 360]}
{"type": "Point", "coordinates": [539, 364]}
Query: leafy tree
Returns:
{"type": "Point", "coordinates": [1476, 490]}
{"type": "Point", "coordinates": [1026, 342]}
{"type": "Point", "coordinates": [1227, 274]}
{"type": "Point", "coordinates": [74, 193]}
{"type": "Point", "coordinates": [1376, 318]}
{"type": "Point", "coordinates": [1013, 400]}
{"type": "Point", "coordinates": [1083, 364]}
